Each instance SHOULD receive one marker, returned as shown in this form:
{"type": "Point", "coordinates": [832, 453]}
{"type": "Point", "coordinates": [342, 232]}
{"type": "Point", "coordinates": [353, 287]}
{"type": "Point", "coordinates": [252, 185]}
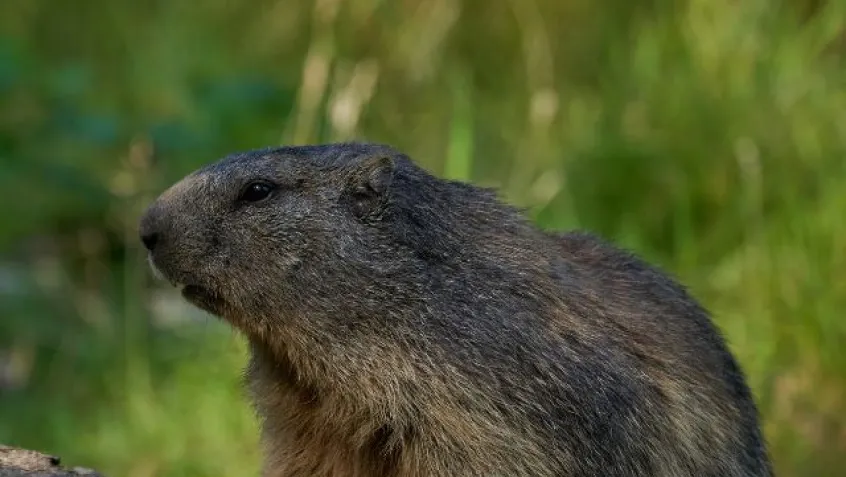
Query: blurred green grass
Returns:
{"type": "Point", "coordinates": [709, 136]}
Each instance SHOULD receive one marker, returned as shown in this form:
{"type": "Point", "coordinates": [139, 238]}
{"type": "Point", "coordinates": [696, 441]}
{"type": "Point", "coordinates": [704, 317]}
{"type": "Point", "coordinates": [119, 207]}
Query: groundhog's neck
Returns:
{"type": "Point", "coordinates": [442, 220]}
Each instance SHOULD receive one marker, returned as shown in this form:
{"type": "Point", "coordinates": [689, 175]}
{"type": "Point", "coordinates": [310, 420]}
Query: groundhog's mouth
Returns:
{"type": "Point", "coordinates": [200, 296]}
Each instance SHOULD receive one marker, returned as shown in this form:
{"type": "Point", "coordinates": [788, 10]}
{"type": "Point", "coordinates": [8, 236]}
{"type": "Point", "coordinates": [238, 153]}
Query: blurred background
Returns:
{"type": "Point", "coordinates": [706, 135]}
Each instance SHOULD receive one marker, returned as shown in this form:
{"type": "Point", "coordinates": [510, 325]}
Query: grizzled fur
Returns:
{"type": "Point", "coordinates": [404, 325]}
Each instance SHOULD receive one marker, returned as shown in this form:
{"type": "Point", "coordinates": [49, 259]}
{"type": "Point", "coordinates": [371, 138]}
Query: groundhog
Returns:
{"type": "Point", "coordinates": [409, 326]}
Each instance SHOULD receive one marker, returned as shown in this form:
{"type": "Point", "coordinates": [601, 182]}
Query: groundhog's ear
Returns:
{"type": "Point", "coordinates": [369, 183]}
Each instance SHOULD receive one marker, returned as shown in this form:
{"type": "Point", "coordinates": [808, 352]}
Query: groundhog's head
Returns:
{"type": "Point", "coordinates": [242, 236]}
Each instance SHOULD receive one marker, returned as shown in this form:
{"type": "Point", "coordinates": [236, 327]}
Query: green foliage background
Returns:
{"type": "Point", "coordinates": [707, 135]}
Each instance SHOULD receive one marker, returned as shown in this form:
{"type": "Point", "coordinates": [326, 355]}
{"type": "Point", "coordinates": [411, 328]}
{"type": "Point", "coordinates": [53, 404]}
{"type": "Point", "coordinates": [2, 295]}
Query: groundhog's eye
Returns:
{"type": "Point", "coordinates": [256, 191]}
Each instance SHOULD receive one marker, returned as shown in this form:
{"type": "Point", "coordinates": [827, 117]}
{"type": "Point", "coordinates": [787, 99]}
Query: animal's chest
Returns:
{"type": "Point", "coordinates": [308, 434]}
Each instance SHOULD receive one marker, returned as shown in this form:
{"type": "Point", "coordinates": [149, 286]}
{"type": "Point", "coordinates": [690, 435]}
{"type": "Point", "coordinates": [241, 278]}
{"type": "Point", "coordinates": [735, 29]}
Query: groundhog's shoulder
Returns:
{"type": "Point", "coordinates": [588, 248]}
{"type": "Point", "coordinates": [600, 258]}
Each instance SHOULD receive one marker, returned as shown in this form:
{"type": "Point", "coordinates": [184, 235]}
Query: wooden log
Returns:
{"type": "Point", "coordinates": [16, 462]}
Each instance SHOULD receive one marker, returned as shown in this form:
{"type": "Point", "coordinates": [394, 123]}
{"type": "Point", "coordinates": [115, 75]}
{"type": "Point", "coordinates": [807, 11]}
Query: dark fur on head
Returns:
{"type": "Point", "coordinates": [404, 325]}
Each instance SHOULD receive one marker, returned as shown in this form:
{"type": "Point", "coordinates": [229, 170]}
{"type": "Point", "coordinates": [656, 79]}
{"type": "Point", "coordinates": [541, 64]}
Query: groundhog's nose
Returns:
{"type": "Point", "coordinates": [148, 229]}
{"type": "Point", "coordinates": [150, 240]}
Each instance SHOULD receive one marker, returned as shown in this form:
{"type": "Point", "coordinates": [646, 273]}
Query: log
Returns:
{"type": "Point", "coordinates": [16, 462]}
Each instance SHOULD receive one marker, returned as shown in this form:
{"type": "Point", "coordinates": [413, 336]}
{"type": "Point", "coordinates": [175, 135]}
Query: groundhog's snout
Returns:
{"type": "Point", "coordinates": [149, 229]}
{"type": "Point", "coordinates": [149, 239]}
{"type": "Point", "coordinates": [156, 231]}
{"type": "Point", "coordinates": [158, 224]}
{"type": "Point", "coordinates": [172, 258]}
{"type": "Point", "coordinates": [166, 250]}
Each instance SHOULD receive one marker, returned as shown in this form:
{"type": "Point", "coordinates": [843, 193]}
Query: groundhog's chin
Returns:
{"type": "Point", "coordinates": [204, 299]}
